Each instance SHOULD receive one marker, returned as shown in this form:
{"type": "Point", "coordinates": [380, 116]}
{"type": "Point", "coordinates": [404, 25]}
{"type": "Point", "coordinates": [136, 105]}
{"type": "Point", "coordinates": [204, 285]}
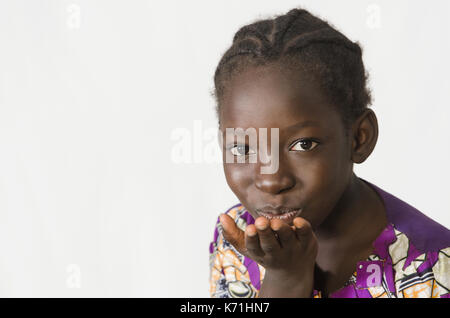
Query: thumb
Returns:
{"type": "Point", "coordinates": [232, 233]}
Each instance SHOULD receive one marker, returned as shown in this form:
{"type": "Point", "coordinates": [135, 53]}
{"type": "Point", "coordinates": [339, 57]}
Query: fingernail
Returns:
{"type": "Point", "coordinates": [276, 227]}
{"type": "Point", "coordinates": [261, 227]}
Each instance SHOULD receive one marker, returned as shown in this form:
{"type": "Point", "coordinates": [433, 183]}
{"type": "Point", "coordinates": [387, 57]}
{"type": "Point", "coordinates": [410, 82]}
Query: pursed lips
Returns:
{"type": "Point", "coordinates": [282, 213]}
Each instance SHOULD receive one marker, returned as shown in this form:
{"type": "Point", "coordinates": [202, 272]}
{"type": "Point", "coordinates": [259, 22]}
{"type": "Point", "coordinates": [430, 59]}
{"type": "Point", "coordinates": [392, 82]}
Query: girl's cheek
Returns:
{"type": "Point", "coordinates": [238, 177]}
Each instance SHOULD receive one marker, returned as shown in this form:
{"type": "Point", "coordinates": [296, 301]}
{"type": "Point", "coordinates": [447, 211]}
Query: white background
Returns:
{"type": "Point", "coordinates": [92, 202]}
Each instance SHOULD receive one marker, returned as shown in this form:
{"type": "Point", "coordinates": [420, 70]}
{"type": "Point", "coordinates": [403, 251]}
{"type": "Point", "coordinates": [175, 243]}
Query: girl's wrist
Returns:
{"type": "Point", "coordinates": [279, 284]}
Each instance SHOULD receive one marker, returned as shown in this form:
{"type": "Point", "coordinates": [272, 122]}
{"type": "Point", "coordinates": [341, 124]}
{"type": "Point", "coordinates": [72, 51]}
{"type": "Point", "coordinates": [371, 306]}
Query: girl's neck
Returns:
{"type": "Point", "coordinates": [357, 218]}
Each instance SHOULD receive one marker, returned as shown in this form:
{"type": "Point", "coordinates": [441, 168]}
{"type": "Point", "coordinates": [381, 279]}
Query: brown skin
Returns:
{"type": "Point", "coordinates": [341, 215]}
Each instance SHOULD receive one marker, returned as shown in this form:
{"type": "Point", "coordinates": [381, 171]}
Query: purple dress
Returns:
{"type": "Point", "coordinates": [410, 259]}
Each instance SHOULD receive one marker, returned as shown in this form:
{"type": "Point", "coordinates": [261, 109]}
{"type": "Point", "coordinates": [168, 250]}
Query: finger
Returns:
{"type": "Point", "coordinates": [267, 239]}
{"type": "Point", "coordinates": [285, 233]}
{"type": "Point", "coordinates": [252, 242]}
{"type": "Point", "coordinates": [303, 229]}
{"type": "Point", "coordinates": [232, 233]}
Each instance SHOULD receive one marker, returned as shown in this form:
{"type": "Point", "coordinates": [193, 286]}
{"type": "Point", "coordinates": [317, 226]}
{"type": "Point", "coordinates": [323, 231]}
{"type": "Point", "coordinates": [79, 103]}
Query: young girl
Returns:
{"type": "Point", "coordinates": [312, 228]}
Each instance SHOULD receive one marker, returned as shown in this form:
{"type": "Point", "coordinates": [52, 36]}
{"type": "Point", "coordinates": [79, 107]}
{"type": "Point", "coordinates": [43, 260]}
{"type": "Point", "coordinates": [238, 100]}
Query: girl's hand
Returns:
{"type": "Point", "coordinates": [287, 253]}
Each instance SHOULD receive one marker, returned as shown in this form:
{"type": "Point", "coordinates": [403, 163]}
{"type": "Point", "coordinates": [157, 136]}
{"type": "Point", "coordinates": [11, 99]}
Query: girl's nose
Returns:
{"type": "Point", "coordinates": [274, 183]}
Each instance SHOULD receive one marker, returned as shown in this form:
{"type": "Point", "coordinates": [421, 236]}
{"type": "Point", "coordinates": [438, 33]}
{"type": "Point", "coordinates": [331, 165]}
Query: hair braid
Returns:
{"type": "Point", "coordinates": [298, 38]}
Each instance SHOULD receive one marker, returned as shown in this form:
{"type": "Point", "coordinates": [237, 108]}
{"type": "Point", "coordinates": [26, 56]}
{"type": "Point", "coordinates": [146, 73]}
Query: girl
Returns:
{"type": "Point", "coordinates": [312, 228]}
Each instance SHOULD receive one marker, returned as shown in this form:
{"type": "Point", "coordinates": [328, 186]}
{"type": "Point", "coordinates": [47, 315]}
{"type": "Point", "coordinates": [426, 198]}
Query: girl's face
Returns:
{"type": "Point", "coordinates": [315, 164]}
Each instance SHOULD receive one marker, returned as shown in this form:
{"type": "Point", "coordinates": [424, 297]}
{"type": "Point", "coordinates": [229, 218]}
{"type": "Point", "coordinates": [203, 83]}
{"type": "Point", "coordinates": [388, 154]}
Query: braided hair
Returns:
{"type": "Point", "coordinates": [300, 41]}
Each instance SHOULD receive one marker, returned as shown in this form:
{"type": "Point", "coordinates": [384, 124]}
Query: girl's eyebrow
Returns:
{"type": "Point", "coordinates": [298, 125]}
{"type": "Point", "coordinates": [303, 124]}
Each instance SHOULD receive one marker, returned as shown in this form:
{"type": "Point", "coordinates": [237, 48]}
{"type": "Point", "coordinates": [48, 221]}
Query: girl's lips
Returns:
{"type": "Point", "coordinates": [286, 217]}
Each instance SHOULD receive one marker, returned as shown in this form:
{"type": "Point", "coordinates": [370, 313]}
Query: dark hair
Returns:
{"type": "Point", "coordinates": [299, 39]}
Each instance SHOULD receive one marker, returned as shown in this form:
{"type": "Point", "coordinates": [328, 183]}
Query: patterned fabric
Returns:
{"type": "Point", "coordinates": [410, 259]}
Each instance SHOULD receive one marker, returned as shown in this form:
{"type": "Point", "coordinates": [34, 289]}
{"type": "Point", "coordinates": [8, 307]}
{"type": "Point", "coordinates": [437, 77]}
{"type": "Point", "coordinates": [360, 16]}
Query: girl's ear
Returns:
{"type": "Point", "coordinates": [364, 136]}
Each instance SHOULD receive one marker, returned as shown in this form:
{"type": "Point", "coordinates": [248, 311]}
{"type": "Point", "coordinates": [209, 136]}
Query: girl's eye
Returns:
{"type": "Point", "coordinates": [241, 150]}
{"type": "Point", "coordinates": [305, 145]}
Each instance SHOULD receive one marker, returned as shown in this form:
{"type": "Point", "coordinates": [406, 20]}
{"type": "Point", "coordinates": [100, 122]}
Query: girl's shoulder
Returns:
{"type": "Point", "coordinates": [417, 249]}
{"type": "Point", "coordinates": [426, 234]}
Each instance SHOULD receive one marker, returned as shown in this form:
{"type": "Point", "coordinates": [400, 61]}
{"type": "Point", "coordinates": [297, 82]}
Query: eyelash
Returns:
{"type": "Point", "coordinates": [292, 145]}
{"type": "Point", "coordinates": [303, 140]}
